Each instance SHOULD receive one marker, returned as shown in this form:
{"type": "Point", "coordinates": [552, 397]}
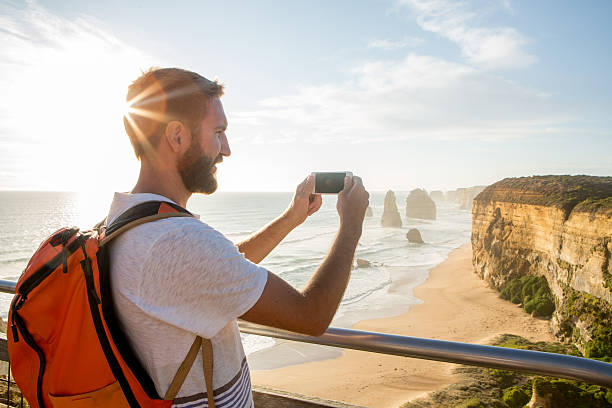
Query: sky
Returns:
{"type": "Point", "coordinates": [435, 94]}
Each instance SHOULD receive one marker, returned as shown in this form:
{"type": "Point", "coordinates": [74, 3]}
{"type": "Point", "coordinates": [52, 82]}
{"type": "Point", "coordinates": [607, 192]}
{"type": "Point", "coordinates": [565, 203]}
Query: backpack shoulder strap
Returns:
{"type": "Point", "coordinates": [207, 360]}
{"type": "Point", "coordinates": [139, 214]}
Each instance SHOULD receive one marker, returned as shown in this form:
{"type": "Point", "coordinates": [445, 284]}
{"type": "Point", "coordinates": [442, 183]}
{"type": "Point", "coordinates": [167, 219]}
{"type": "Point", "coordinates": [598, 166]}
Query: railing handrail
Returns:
{"type": "Point", "coordinates": [536, 362]}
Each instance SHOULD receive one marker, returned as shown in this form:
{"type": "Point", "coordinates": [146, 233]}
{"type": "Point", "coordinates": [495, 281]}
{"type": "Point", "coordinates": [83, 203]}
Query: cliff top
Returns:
{"type": "Point", "coordinates": [569, 193]}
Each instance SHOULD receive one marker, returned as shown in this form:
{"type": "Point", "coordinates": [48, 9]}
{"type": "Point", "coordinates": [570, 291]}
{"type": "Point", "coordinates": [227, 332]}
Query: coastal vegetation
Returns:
{"type": "Point", "coordinates": [483, 387]}
{"type": "Point", "coordinates": [597, 314]}
{"type": "Point", "coordinates": [532, 292]}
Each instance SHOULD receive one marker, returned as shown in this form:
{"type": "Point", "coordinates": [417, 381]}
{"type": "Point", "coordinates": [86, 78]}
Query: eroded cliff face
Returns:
{"type": "Point", "coordinates": [513, 236]}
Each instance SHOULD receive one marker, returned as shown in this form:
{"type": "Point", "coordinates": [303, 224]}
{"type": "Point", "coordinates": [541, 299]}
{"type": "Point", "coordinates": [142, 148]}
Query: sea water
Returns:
{"type": "Point", "coordinates": [27, 218]}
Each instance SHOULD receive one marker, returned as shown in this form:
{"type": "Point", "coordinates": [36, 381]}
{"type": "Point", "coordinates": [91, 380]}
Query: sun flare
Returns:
{"type": "Point", "coordinates": [67, 102]}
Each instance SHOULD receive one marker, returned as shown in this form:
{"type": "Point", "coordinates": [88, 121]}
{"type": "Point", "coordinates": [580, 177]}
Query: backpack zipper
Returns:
{"type": "Point", "coordinates": [19, 325]}
{"type": "Point", "coordinates": [62, 237]}
{"type": "Point", "coordinates": [38, 276]}
{"type": "Point", "coordinates": [19, 301]}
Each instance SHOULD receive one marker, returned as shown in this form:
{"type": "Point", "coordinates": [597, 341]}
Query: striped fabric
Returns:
{"type": "Point", "coordinates": [235, 394]}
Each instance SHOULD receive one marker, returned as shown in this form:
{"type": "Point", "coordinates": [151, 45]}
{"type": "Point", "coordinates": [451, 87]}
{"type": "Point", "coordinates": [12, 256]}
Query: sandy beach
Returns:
{"type": "Point", "coordinates": [456, 306]}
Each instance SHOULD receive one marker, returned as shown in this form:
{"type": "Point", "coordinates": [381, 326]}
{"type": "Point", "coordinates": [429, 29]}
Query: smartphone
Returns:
{"type": "Point", "coordinates": [329, 182]}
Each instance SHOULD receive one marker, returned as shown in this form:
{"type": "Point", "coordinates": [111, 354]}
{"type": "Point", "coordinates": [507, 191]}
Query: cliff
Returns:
{"type": "Point", "coordinates": [391, 216]}
{"type": "Point", "coordinates": [420, 205]}
{"type": "Point", "coordinates": [558, 227]}
{"type": "Point", "coordinates": [465, 196]}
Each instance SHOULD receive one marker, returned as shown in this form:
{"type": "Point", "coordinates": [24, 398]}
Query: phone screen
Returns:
{"type": "Point", "coordinates": [329, 183]}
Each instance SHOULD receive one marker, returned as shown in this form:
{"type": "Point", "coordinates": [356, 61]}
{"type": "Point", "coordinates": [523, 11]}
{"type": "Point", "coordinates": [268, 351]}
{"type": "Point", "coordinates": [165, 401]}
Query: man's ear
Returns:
{"type": "Point", "coordinates": [176, 135]}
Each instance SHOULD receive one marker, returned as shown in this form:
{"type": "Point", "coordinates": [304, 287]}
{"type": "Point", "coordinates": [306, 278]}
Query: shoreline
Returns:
{"type": "Point", "coordinates": [456, 305]}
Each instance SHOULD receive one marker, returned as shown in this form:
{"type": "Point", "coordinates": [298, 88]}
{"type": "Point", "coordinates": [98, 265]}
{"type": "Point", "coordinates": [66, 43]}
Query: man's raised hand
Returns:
{"type": "Point", "coordinates": [353, 201]}
{"type": "Point", "coordinates": [304, 203]}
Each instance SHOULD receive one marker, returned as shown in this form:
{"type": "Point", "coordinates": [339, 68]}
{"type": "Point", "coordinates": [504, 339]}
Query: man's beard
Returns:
{"type": "Point", "coordinates": [195, 169]}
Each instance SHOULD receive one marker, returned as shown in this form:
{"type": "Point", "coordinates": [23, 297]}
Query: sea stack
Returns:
{"type": "Point", "coordinates": [369, 212]}
{"type": "Point", "coordinates": [391, 216]}
{"type": "Point", "coordinates": [437, 195]}
{"type": "Point", "coordinates": [414, 236]}
{"type": "Point", "coordinates": [420, 205]}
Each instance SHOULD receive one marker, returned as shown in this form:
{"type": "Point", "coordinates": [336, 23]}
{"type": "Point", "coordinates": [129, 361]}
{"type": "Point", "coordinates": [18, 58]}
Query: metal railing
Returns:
{"type": "Point", "coordinates": [536, 362]}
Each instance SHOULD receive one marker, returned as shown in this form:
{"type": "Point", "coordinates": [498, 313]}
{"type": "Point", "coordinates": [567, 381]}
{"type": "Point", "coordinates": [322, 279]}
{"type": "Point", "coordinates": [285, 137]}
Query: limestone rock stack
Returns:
{"type": "Point", "coordinates": [369, 212]}
{"type": "Point", "coordinates": [558, 227]}
{"type": "Point", "coordinates": [391, 216]}
{"type": "Point", "coordinates": [437, 195]}
{"type": "Point", "coordinates": [414, 236]}
{"type": "Point", "coordinates": [420, 205]}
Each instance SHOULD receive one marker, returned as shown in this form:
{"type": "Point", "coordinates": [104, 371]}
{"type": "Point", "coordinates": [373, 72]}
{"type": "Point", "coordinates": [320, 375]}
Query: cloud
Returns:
{"type": "Point", "coordinates": [487, 47]}
{"type": "Point", "coordinates": [415, 98]}
{"type": "Point", "coordinates": [389, 45]}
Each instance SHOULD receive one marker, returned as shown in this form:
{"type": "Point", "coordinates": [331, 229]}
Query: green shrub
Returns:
{"type": "Point", "coordinates": [568, 393]}
{"type": "Point", "coordinates": [543, 307]}
{"type": "Point", "coordinates": [472, 403]}
{"type": "Point", "coordinates": [533, 292]}
{"type": "Point", "coordinates": [530, 305]}
{"type": "Point", "coordinates": [503, 377]}
{"type": "Point", "coordinates": [601, 344]}
{"type": "Point", "coordinates": [516, 397]}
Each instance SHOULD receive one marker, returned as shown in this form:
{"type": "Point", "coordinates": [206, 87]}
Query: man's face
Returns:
{"type": "Point", "coordinates": [208, 146]}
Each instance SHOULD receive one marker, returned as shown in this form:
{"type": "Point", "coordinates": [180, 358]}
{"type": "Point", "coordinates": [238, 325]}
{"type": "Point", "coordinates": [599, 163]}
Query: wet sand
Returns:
{"type": "Point", "coordinates": [457, 306]}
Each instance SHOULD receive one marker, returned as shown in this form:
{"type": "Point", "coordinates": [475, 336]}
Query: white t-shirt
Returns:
{"type": "Point", "coordinates": [174, 279]}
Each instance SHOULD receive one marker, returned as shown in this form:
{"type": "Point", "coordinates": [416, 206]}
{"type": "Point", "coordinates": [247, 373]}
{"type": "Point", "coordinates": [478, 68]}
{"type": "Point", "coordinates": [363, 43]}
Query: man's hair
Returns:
{"type": "Point", "coordinates": [161, 95]}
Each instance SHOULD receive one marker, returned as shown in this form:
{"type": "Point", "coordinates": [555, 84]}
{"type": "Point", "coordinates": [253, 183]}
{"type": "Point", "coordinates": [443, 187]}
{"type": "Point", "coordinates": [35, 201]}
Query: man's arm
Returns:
{"type": "Point", "coordinates": [259, 245]}
{"type": "Point", "coordinates": [311, 310]}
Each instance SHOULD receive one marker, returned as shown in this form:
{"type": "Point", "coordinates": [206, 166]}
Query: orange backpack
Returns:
{"type": "Point", "coordinates": [65, 344]}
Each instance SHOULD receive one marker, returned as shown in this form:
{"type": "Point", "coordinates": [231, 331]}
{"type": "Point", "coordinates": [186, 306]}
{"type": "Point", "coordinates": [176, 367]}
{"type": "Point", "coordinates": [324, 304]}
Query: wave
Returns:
{"type": "Point", "coordinates": [308, 238]}
{"type": "Point", "coordinates": [297, 269]}
{"type": "Point", "coordinates": [362, 295]}
{"type": "Point", "coordinates": [12, 261]}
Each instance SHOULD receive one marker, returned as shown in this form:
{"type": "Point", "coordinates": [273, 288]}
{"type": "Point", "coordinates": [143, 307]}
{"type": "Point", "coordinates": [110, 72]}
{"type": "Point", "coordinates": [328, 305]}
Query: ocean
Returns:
{"type": "Point", "coordinates": [27, 218]}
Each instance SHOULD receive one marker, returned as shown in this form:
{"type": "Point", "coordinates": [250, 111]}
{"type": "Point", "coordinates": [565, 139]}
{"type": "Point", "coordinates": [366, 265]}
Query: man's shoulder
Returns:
{"type": "Point", "coordinates": [122, 202]}
{"type": "Point", "coordinates": [178, 229]}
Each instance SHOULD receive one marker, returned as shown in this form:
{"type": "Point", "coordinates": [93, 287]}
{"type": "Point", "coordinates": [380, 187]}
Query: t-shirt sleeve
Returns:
{"type": "Point", "coordinates": [196, 279]}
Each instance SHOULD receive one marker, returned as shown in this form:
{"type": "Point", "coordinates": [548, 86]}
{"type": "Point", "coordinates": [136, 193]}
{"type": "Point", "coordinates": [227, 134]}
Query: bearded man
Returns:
{"type": "Point", "coordinates": [178, 278]}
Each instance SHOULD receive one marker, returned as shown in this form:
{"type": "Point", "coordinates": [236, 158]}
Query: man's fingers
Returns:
{"type": "Point", "coordinates": [306, 186]}
{"type": "Point", "coordinates": [356, 182]}
{"type": "Point", "coordinates": [315, 203]}
{"type": "Point", "coordinates": [348, 183]}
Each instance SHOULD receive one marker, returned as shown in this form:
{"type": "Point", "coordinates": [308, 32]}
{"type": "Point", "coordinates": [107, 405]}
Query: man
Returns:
{"type": "Point", "coordinates": [177, 278]}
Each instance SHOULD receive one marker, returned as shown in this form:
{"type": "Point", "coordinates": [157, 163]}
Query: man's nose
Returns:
{"type": "Point", "coordinates": [225, 149]}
